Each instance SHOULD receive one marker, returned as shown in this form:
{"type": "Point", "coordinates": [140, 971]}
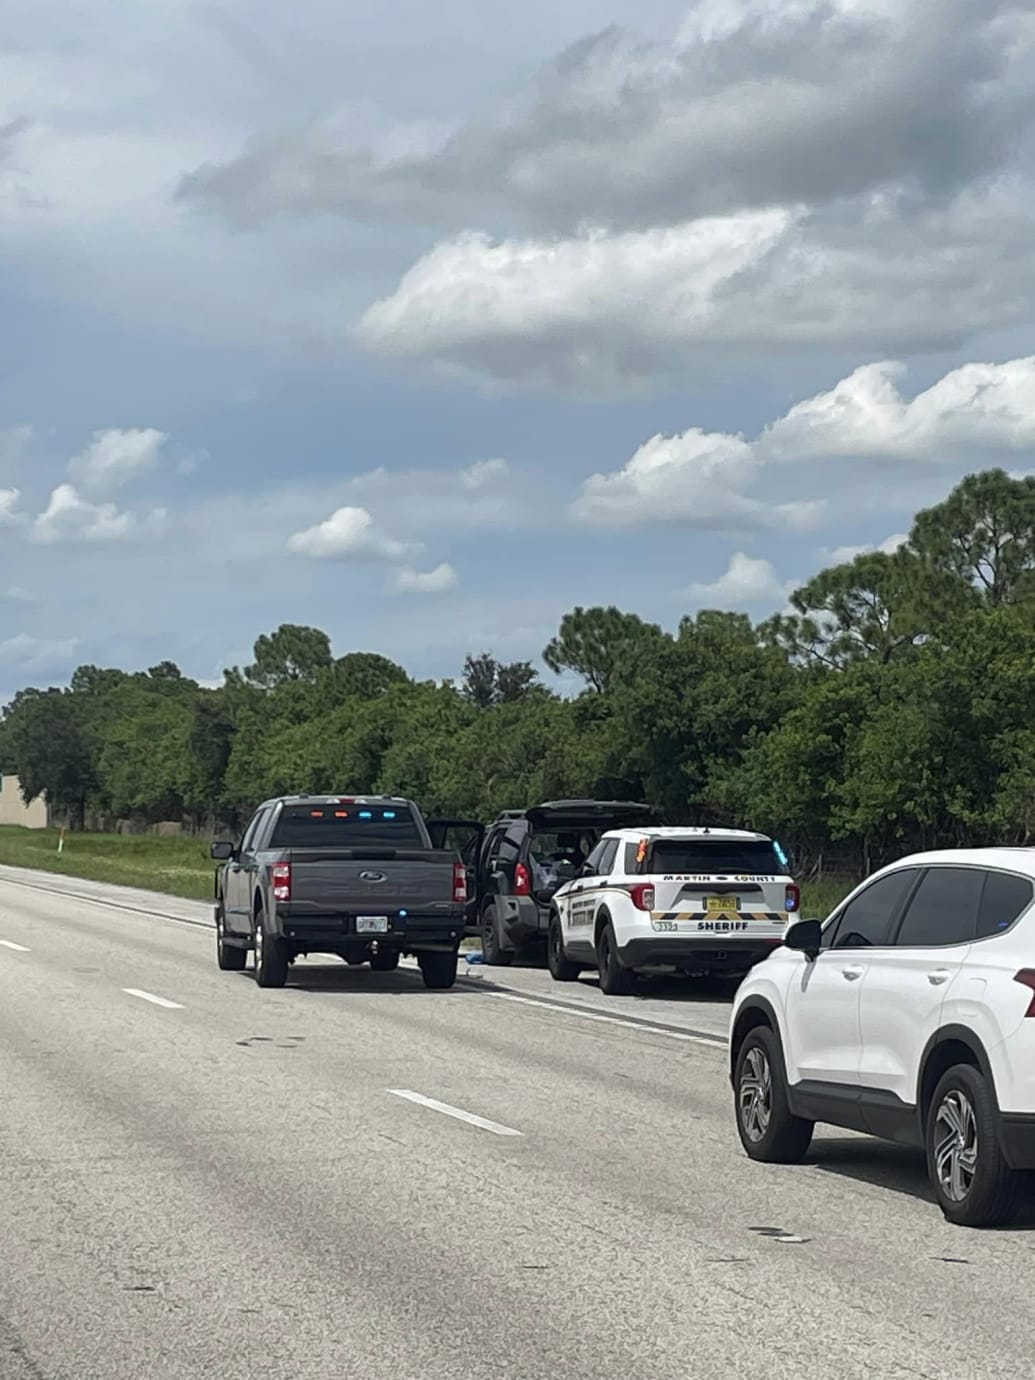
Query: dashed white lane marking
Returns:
{"type": "Point", "coordinates": [457, 1112]}
{"type": "Point", "coordinates": [716, 1042]}
{"type": "Point", "coordinates": [150, 996]}
{"type": "Point", "coordinates": [15, 948]}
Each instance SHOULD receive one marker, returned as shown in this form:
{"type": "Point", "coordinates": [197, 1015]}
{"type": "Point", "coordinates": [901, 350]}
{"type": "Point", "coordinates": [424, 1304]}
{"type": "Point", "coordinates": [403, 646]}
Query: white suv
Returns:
{"type": "Point", "coordinates": [908, 1015]}
{"type": "Point", "coordinates": [698, 900]}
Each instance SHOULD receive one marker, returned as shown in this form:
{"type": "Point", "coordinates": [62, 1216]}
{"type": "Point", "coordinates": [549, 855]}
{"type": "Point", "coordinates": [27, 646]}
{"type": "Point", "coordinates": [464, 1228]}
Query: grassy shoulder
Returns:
{"type": "Point", "coordinates": [178, 867]}
{"type": "Point", "coordinates": [182, 867]}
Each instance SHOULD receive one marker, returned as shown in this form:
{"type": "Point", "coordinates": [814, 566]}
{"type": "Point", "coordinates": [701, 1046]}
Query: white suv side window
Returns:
{"type": "Point", "coordinates": [1003, 901]}
{"type": "Point", "coordinates": [867, 920]}
{"type": "Point", "coordinates": [943, 910]}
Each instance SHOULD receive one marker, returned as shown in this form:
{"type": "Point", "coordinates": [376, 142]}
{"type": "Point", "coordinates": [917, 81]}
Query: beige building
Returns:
{"type": "Point", "coordinates": [13, 809]}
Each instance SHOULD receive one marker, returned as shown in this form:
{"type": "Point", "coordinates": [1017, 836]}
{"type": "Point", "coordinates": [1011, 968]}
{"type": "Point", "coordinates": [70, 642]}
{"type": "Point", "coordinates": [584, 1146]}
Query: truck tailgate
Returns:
{"type": "Point", "coordinates": [371, 881]}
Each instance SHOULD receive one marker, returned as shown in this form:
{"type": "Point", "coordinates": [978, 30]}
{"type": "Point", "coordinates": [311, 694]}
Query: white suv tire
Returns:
{"type": "Point", "coordinates": [974, 1185]}
{"type": "Point", "coordinates": [768, 1130]}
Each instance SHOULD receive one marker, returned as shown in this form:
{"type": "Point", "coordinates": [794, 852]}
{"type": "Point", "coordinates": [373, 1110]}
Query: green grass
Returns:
{"type": "Point", "coordinates": [182, 867]}
{"type": "Point", "coordinates": [818, 899]}
{"type": "Point", "coordinates": [179, 867]}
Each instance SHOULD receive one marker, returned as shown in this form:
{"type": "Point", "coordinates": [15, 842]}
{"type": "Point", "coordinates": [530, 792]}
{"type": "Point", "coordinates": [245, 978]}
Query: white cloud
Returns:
{"type": "Point", "coordinates": [29, 654]}
{"type": "Point", "coordinates": [438, 581]}
{"type": "Point", "coordinates": [607, 315]}
{"type": "Point", "coordinates": [349, 534]}
{"type": "Point", "coordinates": [746, 583]}
{"type": "Point", "coordinates": [17, 595]}
{"type": "Point", "coordinates": [114, 457]}
{"type": "Point", "coordinates": [722, 481]}
{"type": "Point", "coordinates": [9, 513]}
{"type": "Point", "coordinates": [842, 555]}
{"type": "Point", "coordinates": [697, 480]}
{"type": "Point", "coordinates": [483, 473]}
{"type": "Point", "coordinates": [974, 407]}
{"type": "Point", "coordinates": [585, 315]}
{"type": "Point", "coordinates": [69, 517]}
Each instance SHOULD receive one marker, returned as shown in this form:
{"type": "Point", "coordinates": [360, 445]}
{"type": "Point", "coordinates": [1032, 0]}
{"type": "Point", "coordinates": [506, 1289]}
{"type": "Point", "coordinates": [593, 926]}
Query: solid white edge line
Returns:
{"type": "Point", "coordinates": [15, 948]}
{"type": "Point", "coordinates": [150, 996]}
{"type": "Point", "coordinates": [718, 1043]}
{"type": "Point", "coordinates": [456, 1112]}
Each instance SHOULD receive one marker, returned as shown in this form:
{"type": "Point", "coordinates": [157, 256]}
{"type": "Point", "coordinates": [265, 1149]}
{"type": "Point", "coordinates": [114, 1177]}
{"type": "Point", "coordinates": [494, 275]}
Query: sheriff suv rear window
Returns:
{"type": "Point", "coordinates": [754, 857]}
{"type": "Point", "coordinates": [346, 826]}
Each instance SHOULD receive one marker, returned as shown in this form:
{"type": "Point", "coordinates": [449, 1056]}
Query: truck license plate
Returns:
{"type": "Point", "coordinates": [371, 924]}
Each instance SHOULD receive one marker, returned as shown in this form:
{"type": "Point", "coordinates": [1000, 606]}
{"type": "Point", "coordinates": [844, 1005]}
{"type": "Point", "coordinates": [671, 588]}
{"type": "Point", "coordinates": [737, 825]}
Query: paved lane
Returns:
{"type": "Point", "coordinates": [228, 1181]}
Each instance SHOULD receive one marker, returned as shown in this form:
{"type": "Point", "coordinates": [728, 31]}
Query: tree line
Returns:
{"type": "Point", "coordinates": [891, 708]}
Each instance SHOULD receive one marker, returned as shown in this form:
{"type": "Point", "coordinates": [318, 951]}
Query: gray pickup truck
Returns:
{"type": "Point", "coordinates": [355, 876]}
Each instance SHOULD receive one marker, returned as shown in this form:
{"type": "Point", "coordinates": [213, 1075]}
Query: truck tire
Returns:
{"type": "Point", "coordinates": [271, 955]}
{"type": "Point", "coordinates": [230, 957]}
{"type": "Point", "coordinates": [438, 970]}
{"type": "Point", "coordinates": [496, 956]}
{"type": "Point", "coordinates": [562, 969]}
{"type": "Point", "coordinates": [385, 963]}
{"type": "Point", "coordinates": [615, 979]}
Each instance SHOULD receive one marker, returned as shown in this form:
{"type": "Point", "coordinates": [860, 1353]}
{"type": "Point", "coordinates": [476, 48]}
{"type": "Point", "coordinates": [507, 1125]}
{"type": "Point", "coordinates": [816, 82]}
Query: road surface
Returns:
{"type": "Point", "coordinates": [354, 1177]}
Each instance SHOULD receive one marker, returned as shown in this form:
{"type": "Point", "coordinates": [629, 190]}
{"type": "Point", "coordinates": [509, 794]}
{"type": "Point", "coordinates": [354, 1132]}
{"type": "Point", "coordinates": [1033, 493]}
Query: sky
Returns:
{"type": "Point", "coordinates": [426, 323]}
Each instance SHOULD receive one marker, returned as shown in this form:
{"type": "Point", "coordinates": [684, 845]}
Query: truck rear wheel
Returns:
{"type": "Point", "coordinates": [438, 970]}
{"type": "Point", "coordinates": [230, 957]}
{"type": "Point", "coordinates": [271, 955]}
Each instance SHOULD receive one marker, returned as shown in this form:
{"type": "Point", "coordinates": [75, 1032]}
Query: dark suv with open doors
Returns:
{"type": "Point", "coordinates": [524, 857]}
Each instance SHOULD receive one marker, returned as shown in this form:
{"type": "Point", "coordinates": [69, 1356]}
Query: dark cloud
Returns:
{"type": "Point", "coordinates": [800, 103]}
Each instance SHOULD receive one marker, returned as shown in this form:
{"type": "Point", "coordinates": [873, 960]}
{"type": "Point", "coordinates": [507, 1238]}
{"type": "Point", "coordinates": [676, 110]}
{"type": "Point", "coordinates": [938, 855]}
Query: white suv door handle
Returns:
{"type": "Point", "coordinates": [939, 976]}
{"type": "Point", "coordinates": [851, 974]}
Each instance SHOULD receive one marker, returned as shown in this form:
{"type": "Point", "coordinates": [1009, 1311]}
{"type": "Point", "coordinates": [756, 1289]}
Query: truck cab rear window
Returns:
{"type": "Point", "coordinates": [750, 856]}
{"type": "Point", "coordinates": [353, 826]}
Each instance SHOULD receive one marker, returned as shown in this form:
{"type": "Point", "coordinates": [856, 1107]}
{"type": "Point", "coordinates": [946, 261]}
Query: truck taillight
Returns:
{"type": "Point", "coordinates": [1026, 977]}
{"type": "Point", "coordinates": [643, 895]}
{"type": "Point", "coordinates": [522, 880]}
{"type": "Point", "coordinates": [282, 881]}
{"type": "Point", "coordinates": [459, 882]}
{"type": "Point", "coordinates": [792, 898]}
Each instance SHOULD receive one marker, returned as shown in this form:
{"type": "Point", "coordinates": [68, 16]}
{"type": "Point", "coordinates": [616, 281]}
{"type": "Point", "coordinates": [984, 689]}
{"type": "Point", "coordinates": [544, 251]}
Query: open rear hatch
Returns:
{"type": "Point", "coordinates": [589, 814]}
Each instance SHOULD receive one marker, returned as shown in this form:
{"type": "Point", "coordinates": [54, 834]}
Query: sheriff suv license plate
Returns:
{"type": "Point", "coordinates": [723, 905]}
{"type": "Point", "coordinates": [371, 924]}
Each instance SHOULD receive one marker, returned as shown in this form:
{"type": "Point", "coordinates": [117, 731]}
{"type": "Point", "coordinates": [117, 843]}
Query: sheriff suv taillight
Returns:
{"type": "Point", "coordinates": [642, 895]}
{"type": "Point", "coordinates": [459, 882]}
{"type": "Point", "coordinates": [282, 881]}
{"type": "Point", "coordinates": [522, 880]}
{"type": "Point", "coordinates": [792, 898]}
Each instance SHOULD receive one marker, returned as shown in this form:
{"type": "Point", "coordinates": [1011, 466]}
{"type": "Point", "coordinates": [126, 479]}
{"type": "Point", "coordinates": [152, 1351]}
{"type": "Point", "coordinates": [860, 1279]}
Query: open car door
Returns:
{"type": "Point", "coordinates": [464, 836]}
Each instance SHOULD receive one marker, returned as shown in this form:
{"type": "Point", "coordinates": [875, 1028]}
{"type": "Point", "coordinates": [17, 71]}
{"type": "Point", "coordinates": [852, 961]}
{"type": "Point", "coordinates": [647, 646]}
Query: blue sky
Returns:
{"type": "Point", "coordinates": [424, 324]}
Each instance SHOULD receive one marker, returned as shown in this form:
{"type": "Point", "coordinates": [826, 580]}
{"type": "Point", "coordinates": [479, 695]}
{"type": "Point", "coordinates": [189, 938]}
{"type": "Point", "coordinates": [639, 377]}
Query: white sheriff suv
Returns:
{"type": "Point", "coordinates": [698, 900]}
{"type": "Point", "coordinates": [908, 1015]}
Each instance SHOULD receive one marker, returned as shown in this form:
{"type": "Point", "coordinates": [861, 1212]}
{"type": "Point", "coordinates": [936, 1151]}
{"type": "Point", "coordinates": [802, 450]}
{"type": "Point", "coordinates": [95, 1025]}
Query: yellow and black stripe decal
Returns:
{"type": "Point", "coordinates": [773, 917]}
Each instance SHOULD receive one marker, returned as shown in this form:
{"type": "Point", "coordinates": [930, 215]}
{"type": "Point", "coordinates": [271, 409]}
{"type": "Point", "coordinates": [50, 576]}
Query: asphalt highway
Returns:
{"type": "Point", "coordinates": [354, 1177]}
